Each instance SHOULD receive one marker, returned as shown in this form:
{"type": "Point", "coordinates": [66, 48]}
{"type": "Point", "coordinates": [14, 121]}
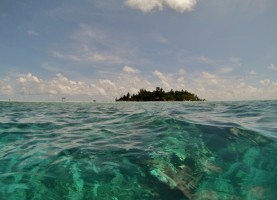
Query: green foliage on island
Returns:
{"type": "Point", "coordinates": [160, 95]}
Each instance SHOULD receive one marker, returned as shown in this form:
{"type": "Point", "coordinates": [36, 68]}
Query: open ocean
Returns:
{"type": "Point", "coordinates": [138, 151]}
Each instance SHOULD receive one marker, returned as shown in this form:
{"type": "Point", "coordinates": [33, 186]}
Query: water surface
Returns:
{"type": "Point", "coordinates": [118, 151]}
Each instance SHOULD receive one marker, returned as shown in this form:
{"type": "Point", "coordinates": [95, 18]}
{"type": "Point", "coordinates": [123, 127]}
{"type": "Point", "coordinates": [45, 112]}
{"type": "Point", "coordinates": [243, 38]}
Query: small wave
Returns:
{"type": "Point", "coordinates": [224, 150]}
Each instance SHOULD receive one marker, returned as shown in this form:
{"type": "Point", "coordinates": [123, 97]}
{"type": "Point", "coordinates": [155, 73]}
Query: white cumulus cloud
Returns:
{"type": "Point", "coordinates": [129, 69]}
{"type": "Point", "coordinates": [225, 70]}
{"type": "Point", "coordinates": [150, 5]}
{"type": "Point", "coordinates": [205, 85]}
{"type": "Point", "coordinates": [181, 71]}
{"type": "Point", "coordinates": [28, 78]}
{"type": "Point", "coordinates": [145, 5]}
{"type": "Point", "coordinates": [5, 88]}
{"type": "Point", "coordinates": [253, 73]}
{"type": "Point", "coordinates": [165, 80]}
{"type": "Point", "coordinates": [208, 75]}
{"type": "Point", "coordinates": [181, 5]}
{"type": "Point", "coordinates": [108, 84]}
{"type": "Point", "coordinates": [272, 67]}
{"type": "Point", "coordinates": [267, 82]}
{"type": "Point", "coordinates": [30, 84]}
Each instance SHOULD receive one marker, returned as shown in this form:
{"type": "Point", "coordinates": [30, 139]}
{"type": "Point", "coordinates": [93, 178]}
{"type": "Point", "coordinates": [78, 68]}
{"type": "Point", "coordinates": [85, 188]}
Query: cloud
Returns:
{"type": "Point", "coordinates": [206, 60]}
{"type": "Point", "coordinates": [272, 67]}
{"type": "Point", "coordinates": [30, 84]}
{"type": "Point", "coordinates": [267, 82]}
{"type": "Point", "coordinates": [108, 89]}
{"type": "Point", "coordinates": [159, 75]}
{"type": "Point", "coordinates": [150, 5]}
{"type": "Point", "coordinates": [67, 57]}
{"type": "Point", "coordinates": [91, 45]}
{"type": "Point", "coordinates": [32, 33]}
{"type": "Point", "coordinates": [129, 69]}
{"type": "Point", "coordinates": [159, 38]}
{"type": "Point", "coordinates": [225, 70]}
{"type": "Point", "coordinates": [108, 84]}
{"type": "Point", "coordinates": [58, 85]}
{"type": "Point", "coordinates": [234, 61]}
{"type": "Point", "coordinates": [269, 89]}
{"type": "Point", "coordinates": [62, 85]}
{"type": "Point", "coordinates": [212, 79]}
{"type": "Point", "coordinates": [229, 62]}
{"type": "Point", "coordinates": [28, 78]}
{"type": "Point", "coordinates": [88, 35]}
{"type": "Point", "coordinates": [253, 72]}
{"type": "Point", "coordinates": [145, 5]}
{"type": "Point", "coordinates": [5, 88]}
{"type": "Point", "coordinates": [208, 75]}
{"type": "Point", "coordinates": [181, 5]}
{"type": "Point", "coordinates": [181, 71]}
{"type": "Point", "coordinates": [165, 81]}
{"type": "Point", "coordinates": [205, 85]}
{"type": "Point", "coordinates": [89, 56]}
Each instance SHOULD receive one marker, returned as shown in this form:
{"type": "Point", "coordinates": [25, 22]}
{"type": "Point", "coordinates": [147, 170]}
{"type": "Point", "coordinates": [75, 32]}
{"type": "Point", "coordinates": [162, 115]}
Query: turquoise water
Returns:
{"type": "Point", "coordinates": [128, 151]}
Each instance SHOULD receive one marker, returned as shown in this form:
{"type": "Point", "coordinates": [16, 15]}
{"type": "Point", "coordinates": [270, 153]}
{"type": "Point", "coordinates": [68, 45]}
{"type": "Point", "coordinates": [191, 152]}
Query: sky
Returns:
{"type": "Point", "coordinates": [101, 49]}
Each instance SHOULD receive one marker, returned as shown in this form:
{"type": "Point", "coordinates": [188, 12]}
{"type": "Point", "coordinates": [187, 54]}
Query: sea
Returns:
{"type": "Point", "coordinates": [138, 151]}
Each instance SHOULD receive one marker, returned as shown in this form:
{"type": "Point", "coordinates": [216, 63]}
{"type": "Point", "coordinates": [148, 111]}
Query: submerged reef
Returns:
{"type": "Point", "coordinates": [185, 163]}
{"type": "Point", "coordinates": [180, 161]}
{"type": "Point", "coordinates": [180, 167]}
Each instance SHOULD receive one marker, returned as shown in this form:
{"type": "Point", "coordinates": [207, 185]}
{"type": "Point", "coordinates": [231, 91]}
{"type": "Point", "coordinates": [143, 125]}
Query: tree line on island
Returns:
{"type": "Point", "coordinates": [160, 95]}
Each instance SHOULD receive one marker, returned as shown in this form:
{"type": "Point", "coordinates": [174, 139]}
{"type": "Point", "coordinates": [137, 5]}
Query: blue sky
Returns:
{"type": "Point", "coordinates": [101, 49]}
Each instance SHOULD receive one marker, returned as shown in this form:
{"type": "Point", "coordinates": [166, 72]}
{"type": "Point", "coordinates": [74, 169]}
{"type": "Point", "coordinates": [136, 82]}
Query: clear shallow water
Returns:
{"type": "Point", "coordinates": [143, 151]}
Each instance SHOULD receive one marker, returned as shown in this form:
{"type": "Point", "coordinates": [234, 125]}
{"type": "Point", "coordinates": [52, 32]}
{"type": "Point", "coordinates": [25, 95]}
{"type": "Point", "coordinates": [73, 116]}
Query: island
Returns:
{"type": "Point", "coordinates": [160, 95]}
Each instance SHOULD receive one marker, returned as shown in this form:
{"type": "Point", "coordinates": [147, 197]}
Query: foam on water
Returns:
{"type": "Point", "coordinates": [194, 150]}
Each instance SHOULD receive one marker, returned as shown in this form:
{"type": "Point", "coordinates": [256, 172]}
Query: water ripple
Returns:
{"type": "Point", "coordinates": [138, 150]}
